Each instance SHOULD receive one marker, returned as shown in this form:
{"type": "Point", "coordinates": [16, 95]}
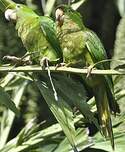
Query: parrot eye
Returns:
{"type": "Point", "coordinates": [59, 16]}
{"type": "Point", "coordinates": [18, 6]}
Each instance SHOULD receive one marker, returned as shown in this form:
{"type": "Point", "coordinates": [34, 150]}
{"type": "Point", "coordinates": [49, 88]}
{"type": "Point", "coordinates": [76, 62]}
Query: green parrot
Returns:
{"type": "Point", "coordinates": [36, 32]}
{"type": "Point", "coordinates": [40, 40]}
{"type": "Point", "coordinates": [82, 47]}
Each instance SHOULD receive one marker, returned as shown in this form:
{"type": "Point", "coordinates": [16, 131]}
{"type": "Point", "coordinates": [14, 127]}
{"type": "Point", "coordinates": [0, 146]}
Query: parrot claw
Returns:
{"type": "Point", "coordinates": [89, 70]}
{"type": "Point", "coordinates": [12, 59]}
{"type": "Point", "coordinates": [17, 61]}
{"type": "Point", "coordinates": [44, 62]}
{"type": "Point", "coordinates": [60, 65]}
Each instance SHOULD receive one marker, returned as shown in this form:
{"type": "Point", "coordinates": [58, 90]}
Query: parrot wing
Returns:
{"type": "Point", "coordinates": [48, 28]}
{"type": "Point", "coordinates": [105, 94]}
{"type": "Point", "coordinates": [95, 48]}
{"type": "Point", "coordinates": [98, 53]}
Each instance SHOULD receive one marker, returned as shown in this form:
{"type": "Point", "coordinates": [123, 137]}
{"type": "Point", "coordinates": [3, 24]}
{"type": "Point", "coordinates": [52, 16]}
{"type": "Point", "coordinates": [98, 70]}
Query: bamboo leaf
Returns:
{"type": "Point", "coordinates": [76, 5]}
{"type": "Point", "coordinates": [25, 141]}
{"type": "Point", "coordinates": [119, 137]}
{"type": "Point", "coordinates": [121, 6]}
{"type": "Point", "coordinates": [119, 52]}
{"type": "Point", "coordinates": [81, 139]}
{"type": "Point", "coordinates": [6, 100]}
{"type": "Point", "coordinates": [50, 138]}
{"type": "Point", "coordinates": [8, 116]}
{"type": "Point", "coordinates": [49, 6]}
{"type": "Point", "coordinates": [4, 4]}
{"type": "Point", "coordinates": [74, 92]}
{"type": "Point", "coordinates": [60, 109]}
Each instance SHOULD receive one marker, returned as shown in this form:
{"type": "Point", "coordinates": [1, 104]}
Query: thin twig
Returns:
{"type": "Point", "coordinates": [36, 68]}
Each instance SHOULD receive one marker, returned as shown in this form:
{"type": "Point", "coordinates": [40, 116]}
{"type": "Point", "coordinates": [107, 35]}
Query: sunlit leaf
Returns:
{"type": "Point", "coordinates": [119, 136]}
{"type": "Point", "coordinates": [60, 108]}
{"type": "Point", "coordinates": [121, 6]}
{"type": "Point", "coordinates": [8, 116]}
{"type": "Point", "coordinates": [74, 92]}
{"type": "Point", "coordinates": [81, 139]}
{"type": "Point", "coordinates": [119, 53]}
{"type": "Point", "coordinates": [76, 5]}
{"type": "Point", "coordinates": [26, 141]}
{"type": "Point", "coordinates": [51, 138]}
{"type": "Point", "coordinates": [49, 6]}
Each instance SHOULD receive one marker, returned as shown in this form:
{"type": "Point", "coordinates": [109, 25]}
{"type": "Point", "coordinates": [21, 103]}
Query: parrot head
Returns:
{"type": "Point", "coordinates": [20, 11]}
{"type": "Point", "coordinates": [65, 14]}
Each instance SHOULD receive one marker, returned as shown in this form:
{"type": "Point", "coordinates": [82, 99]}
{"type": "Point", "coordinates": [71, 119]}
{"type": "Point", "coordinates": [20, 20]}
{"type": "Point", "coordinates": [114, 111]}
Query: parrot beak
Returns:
{"type": "Point", "coordinates": [10, 14]}
{"type": "Point", "coordinates": [59, 16]}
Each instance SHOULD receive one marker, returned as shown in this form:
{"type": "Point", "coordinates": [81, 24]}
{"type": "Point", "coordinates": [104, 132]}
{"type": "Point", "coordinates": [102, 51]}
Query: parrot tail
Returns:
{"type": "Point", "coordinates": [103, 109]}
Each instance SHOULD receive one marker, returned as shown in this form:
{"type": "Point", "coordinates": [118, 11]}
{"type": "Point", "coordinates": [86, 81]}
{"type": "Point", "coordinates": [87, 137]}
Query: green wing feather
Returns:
{"type": "Point", "coordinates": [95, 48]}
{"type": "Point", "coordinates": [48, 28]}
{"type": "Point", "coordinates": [105, 94]}
{"type": "Point", "coordinates": [98, 53]}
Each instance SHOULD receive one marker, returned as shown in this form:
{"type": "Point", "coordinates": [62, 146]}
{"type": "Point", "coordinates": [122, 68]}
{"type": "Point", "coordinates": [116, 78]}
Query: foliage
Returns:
{"type": "Point", "coordinates": [35, 129]}
{"type": "Point", "coordinates": [9, 45]}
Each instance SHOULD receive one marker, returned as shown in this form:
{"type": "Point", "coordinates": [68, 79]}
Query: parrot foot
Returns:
{"type": "Point", "coordinates": [17, 61]}
{"type": "Point", "coordinates": [44, 62]}
{"type": "Point", "coordinates": [60, 65]}
{"type": "Point", "coordinates": [89, 70]}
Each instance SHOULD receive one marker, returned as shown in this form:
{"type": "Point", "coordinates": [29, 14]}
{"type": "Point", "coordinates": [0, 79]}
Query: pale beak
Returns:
{"type": "Point", "coordinates": [10, 14]}
{"type": "Point", "coordinates": [59, 14]}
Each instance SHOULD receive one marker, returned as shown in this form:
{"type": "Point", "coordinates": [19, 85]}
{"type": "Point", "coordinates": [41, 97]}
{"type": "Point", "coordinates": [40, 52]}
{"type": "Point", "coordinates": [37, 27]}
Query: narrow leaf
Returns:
{"type": "Point", "coordinates": [60, 108]}
{"type": "Point", "coordinates": [74, 92]}
{"type": "Point", "coordinates": [6, 100]}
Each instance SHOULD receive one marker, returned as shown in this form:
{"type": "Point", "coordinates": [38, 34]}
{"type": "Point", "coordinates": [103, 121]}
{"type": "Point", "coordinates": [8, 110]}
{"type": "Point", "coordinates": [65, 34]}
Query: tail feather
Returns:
{"type": "Point", "coordinates": [114, 107]}
{"type": "Point", "coordinates": [104, 114]}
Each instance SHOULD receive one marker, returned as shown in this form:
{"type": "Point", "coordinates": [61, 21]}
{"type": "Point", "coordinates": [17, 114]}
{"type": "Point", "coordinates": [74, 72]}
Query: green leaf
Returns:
{"type": "Point", "coordinates": [74, 92]}
{"type": "Point", "coordinates": [49, 6]}
{"type": "Point", "coordinates": [8, 116]}
{"type": "Point", "coordinates": [30, 136]}
{"type": "Point", "coordinates": [5, 100]}
{"type": "Point", "coordinates": [76, 5]}
{"type": "Point", "coordinates": [119, 53]}
{"type": "Point", "coordinates": [60, 108]}
{"type": "Point", "coordinates": [119, 137]}
{"type": "Point", "coordinates": [5, 4]}
{"type": "Point", "coordinates": [121, 6]}
{"type": "Point", "coordinates": [81, 139]}
{"type": "Point", "coordinates": [36, 139]}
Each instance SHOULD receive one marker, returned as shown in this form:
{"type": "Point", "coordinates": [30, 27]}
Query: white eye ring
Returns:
{"type": "Point", "coordinates": [18, 6]}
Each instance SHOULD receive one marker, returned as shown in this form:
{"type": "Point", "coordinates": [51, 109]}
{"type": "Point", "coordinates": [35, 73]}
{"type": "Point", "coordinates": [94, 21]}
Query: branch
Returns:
{"type": "Point", "coordinates": [36, 68]}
